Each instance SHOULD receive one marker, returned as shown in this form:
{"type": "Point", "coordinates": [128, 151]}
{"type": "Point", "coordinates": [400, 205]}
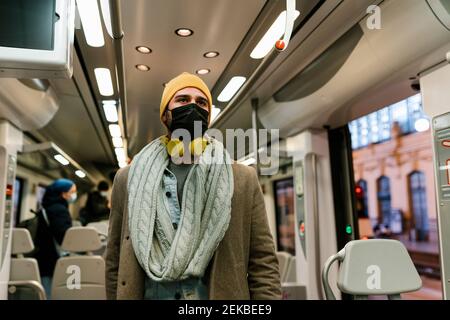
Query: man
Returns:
{"type": "Point", "coordinates": [190, 230]}
{"type": "Point", "coordinates": [53, 223]}
{"type": "Point", "coordinates": [97, 205]}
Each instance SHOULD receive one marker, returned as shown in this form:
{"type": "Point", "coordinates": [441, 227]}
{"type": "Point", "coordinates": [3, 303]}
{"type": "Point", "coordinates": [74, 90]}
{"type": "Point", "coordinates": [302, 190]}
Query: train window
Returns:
{"type": "Point", "coordinates": [17, 199]}
{"type": "Point", "coordinates": [285, 216]}
{"type": "Point", "coordinates": [384, 200]}
{"type": "Point", "coordinates": [418, 200]}
{"type": "Point", "coordinates": [376, 127]}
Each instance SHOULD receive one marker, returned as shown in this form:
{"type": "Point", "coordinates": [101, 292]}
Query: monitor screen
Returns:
{"type": "Point", "coordinates": [27, 24]}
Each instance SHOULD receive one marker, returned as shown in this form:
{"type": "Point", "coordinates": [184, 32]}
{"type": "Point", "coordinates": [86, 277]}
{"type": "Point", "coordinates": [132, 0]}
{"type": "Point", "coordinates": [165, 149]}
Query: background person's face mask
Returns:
{"type": "Point", "coordinates": [73, 198]}
{"type": "Point", "coordinates": [185, 117]}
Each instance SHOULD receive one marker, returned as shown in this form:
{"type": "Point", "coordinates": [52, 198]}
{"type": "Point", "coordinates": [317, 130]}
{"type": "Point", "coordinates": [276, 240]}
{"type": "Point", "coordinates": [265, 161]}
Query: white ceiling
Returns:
{"type": "Point", "coordinates": [218, 26]}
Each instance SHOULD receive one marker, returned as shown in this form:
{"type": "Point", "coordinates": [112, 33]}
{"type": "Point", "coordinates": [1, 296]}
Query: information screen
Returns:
{"type": "Point", "coordinates": [27, 24]}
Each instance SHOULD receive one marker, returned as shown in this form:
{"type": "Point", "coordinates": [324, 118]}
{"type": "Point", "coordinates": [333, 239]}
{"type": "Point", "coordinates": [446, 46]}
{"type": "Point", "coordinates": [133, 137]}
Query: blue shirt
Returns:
{"type": "Point", "coordinates": [189, 289]}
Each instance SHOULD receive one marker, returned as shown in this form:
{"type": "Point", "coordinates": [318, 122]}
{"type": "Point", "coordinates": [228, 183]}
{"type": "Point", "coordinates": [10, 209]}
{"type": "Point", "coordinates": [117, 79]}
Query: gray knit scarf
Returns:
{"type": "Point", "coordinates": [164, 253]}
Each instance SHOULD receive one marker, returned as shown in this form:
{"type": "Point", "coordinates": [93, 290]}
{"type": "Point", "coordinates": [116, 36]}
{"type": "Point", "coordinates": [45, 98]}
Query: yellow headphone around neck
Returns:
{"type": "Point", "coordinates": [175, 147]}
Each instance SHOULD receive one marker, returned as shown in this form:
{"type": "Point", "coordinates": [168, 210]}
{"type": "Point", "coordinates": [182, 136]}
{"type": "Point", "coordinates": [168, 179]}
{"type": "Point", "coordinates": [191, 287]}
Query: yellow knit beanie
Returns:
{"type": "Point", "coordinates": [184, 80]}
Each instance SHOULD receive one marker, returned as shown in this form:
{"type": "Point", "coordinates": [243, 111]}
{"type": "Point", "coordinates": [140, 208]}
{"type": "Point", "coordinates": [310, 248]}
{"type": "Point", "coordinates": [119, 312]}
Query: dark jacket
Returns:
{"type": "Point", "coordinates": [56, 209]}
{"type": "Point", "coordinates": [96, 208]}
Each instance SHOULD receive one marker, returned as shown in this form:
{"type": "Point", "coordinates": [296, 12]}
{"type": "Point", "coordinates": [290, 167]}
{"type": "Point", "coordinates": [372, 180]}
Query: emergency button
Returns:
{"type": "Point", "coordinates": [302, 229]}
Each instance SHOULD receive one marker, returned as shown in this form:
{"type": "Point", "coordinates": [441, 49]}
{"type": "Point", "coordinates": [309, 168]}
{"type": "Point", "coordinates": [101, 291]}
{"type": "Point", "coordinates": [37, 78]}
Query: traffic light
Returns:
{"type": "Point", "coordinates": [360, 202]}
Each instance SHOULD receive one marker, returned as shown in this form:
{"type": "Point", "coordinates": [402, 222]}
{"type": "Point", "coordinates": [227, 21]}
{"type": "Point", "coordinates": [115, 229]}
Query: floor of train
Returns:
{"type": "Point", "coordinates": [431, 290]}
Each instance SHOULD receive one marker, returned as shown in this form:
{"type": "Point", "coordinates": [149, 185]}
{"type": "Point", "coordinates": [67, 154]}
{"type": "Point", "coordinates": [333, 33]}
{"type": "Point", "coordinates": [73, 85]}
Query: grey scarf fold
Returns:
{"type": "Point", "coordinates": [164, 253]}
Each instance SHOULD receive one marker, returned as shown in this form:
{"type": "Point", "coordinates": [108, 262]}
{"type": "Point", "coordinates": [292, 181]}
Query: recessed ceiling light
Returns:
{"type": "Point", "coordinates": [214, 113]}
{"type": "Point", "coordinates": [110, 111]}
{"type": "Point", "coordinates": [90, 19]}
{"type": "Point", "coordinates": [61, 159]}
{"type": "Point", "coordinates": [120, 154]}
{"type": "Point", "coordinates": [231, 88]}
{"type": "Point", "coordinates": [184, 32]}
{"type": "Point", "coordinates": [211, 54]}
{"type": "Point", "coordinates": [114, 130]}
{"type": "Point", "coordinates": [117, 142]}
{"type": "Point", "coordinates": [104, 81]}
{"type": "Point", "coordinates": [203, 71]}
{"type": "Point", "coordinates": [122, 164]}
{"type": "Point", "coordinates": [143, 49]}
{"type": "Point", "coordinates": [80, 174]}
{"type": "Point", "coordinates": [142, 67]}
{"type": "Point", "coordinates": [106, 13]}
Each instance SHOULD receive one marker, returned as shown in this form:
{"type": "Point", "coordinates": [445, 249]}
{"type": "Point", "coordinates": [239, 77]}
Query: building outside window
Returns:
{"type": "Point", "coordinates": [384, 200]}
{"type": "Point", "coordinates": [376, 127]}
{"type": "Point", "coordinates": [418, 199]}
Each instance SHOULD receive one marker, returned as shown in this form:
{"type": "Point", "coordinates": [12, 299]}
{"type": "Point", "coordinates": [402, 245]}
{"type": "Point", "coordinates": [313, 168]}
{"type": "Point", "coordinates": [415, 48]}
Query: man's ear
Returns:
{"type": "Point", "coordinates": [166, 118]}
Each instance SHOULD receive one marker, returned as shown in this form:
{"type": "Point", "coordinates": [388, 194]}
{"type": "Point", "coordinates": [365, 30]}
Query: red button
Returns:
{"type": "Point", "coordinates": [302, 228]}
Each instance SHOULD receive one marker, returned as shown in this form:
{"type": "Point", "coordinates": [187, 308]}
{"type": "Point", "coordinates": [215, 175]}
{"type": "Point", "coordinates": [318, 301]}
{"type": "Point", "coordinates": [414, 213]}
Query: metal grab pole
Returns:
{"type": "Point", "coordinates": [255, 103]}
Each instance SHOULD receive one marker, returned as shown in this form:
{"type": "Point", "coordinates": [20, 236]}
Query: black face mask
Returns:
{"type": "Point", "coordinates": [185, 116]}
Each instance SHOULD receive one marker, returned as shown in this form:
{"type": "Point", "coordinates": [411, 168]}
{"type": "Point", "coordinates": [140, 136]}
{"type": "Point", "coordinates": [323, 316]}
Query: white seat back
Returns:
{"type": "Point", "coordinates": [81, 239]}
{"type": "Point", "coordinates": [373, 267]}
{"type": "Point", "coordinates": [100, 226]}
{"type": "Point", "coordinates": [21, 242]}
{"type": "Point", "coordinates": [291, 272]}
{"type": "Point", "coordinates": [80, 277]}
{"type": "Point", "coordinates": [24, 270]}
{"type": "Point", "coordinates": [283, 263]}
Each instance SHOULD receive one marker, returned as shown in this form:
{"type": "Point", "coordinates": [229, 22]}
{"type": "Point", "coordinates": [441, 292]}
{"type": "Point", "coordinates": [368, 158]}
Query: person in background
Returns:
{"type": "Point", "coordinates": [97, 205]}
{"type": "Point", "coordinates": [55, 220]}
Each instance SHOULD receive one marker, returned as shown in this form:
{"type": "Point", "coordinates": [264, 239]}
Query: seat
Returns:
{"type": "Point", "coordinates": [80, 276]}
{"type": "Point", "coordinates": [100, 226]}
{"type": "Point", "coordinates": [102, 229]}
{"type": "Point", "coordinates": [372, 268]}
{"type": "Point", "coordinates": [76, 223]}
{"type": "Point", "coordinates": [291, 271]}
{"type": "Point", "coordinates": [25, 280]}
{"type": "Point", "coordinates": [283, 263]}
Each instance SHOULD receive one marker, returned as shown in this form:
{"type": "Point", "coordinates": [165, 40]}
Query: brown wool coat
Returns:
{"type": "Point", "coordinates": [244, 265]}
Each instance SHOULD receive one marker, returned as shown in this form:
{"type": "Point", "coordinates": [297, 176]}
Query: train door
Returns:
{"type": "Point", "coordinates": [315, 232]}
{"type": "Point", "coordinates": [392, 155]}
{"type": "Point", "coordinates": [436, 97]}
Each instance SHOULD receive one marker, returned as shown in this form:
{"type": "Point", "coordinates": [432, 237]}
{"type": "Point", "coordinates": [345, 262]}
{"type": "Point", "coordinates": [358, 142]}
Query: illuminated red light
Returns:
{"type": "Point", "coordinates": [9, 190]}
{"type": "Point", "coordinates": [302, 228]}
{"type": "Point", "coordinates": [358, 191]}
